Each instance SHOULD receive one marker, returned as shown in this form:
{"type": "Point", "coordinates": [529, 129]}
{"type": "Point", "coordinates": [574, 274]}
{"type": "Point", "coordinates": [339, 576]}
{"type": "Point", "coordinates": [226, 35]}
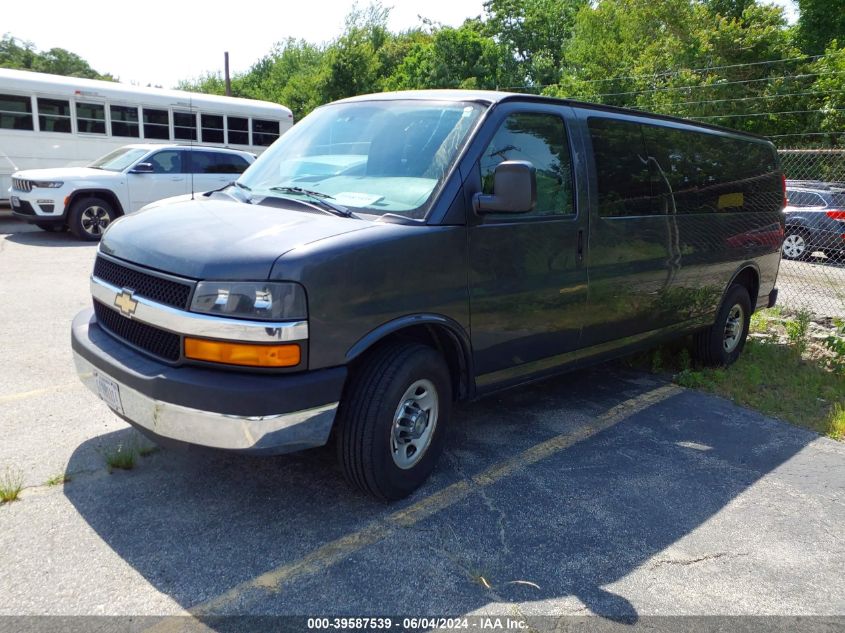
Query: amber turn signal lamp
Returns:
{"type": "Point", "coordinates": [246, 354]}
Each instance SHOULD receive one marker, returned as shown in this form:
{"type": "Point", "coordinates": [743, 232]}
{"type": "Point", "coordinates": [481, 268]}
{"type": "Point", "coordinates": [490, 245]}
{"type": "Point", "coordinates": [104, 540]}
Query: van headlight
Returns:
{"type": "Point", "coordinates": [257, 300]}
{"type": "Point", "coordinates": [47, 184]}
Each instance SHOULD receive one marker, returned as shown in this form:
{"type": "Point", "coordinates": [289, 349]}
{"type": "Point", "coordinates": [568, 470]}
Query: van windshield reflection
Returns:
{"type": "Point", "coordinates": [376, 157]}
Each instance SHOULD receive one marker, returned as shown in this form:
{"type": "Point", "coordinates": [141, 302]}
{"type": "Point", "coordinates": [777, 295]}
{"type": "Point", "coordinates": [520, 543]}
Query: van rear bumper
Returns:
{"type": "Point", "coordinates": [247, 413]}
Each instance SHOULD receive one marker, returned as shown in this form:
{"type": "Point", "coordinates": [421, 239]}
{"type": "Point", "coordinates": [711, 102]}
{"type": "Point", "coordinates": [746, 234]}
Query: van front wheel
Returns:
{"type": "Point", "coordinates": [722, 343]}
{"type": "Point", "coordinates": [392, 419]}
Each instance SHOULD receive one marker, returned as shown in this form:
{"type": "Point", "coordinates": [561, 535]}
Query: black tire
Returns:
{"type": "Point", "coordinates": [89, 217]}
{"type": "Point", "coordinates": [717, 346]}
{"type": "Point", "coordinates": [795, 244]}
{"type": "Point", "coordinates": [51, 227]}
{"type": "Point", "coordinates": [369, 424]}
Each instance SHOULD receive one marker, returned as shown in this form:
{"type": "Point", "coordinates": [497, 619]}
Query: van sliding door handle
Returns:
{"type": "Point", "coordinates": [580, 245]}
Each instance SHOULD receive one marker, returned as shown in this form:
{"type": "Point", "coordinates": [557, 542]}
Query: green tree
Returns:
{"type": "Point", "coordinates": [461, 57]}
{"type": "Point", "coordinates": [57, 61]}
{"type": "Point", "coordinates": [351, 64]}
{"type": "Point", "coordinates": [679, 57]}
{"type": "Point", "coordinates": [535, 32]}
{"type": "Point", "coordinates": [819, 23]}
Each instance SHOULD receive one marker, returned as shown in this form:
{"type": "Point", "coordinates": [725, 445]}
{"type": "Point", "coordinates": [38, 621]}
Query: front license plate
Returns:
{"type": "Point", "coordinates": [16, 202]}
{"type": "Point", "coordinates": [109, 391]}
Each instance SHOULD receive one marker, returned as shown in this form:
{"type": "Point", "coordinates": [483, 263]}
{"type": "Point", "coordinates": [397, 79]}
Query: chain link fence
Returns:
{"type": "Point", "coordinates": [812, 271]}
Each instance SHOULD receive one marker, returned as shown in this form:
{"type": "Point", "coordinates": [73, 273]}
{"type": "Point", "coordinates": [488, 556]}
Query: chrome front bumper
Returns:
{"type": "Point", "coordinates": [272, 434]}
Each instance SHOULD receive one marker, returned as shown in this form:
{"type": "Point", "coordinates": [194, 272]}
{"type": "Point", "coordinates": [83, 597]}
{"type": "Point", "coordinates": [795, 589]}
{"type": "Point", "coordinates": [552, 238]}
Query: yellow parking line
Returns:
{"type": "Point", "coordinates": [331, 553]}
{"type": "Point", "coordinates": [23, 395]}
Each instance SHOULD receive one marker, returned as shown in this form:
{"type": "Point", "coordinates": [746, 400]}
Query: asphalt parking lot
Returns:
{"type": "Point", "coordinates": [605, 492]}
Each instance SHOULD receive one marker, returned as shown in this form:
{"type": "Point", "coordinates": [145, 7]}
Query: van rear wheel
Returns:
{"type": "Point", "coordinates": [392, 420]}
{"type": "Point", "coordinates": [722, 343]}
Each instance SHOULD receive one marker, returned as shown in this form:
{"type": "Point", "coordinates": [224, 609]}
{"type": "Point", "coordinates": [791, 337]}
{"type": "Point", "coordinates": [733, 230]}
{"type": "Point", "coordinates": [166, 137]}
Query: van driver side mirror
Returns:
{"type": "Point", "coordinates": [142, 168]}
{"type": "Point", "coordinates": [514, 189]}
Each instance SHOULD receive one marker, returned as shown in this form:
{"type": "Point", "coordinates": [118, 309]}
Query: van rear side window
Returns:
{"type": "Point", "coordinates": [656, 170]}
{"type": "Point", "coordinates": [624, 177]}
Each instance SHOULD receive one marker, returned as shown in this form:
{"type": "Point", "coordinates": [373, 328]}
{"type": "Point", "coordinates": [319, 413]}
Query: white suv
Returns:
{"type": "Point", "coordinates": [87, 199]}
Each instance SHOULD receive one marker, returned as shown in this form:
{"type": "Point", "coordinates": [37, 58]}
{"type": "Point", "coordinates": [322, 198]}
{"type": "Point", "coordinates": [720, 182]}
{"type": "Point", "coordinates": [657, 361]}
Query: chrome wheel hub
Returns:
{"type": "Point", "coordinates": [734, 327]}
{"type": "Point", "coordinates": [413, 424]}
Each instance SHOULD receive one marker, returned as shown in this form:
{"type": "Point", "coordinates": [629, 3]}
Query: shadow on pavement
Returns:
{"type": "Point", "coordinates": [197, 524]}
{"type": "Point", "coordinates": [27, 234]}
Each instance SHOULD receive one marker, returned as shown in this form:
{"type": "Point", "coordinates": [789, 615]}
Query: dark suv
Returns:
{"type": "Point", "coordinates": [394, 253]}
{"type": "Point", "coordinates": [815, 219]}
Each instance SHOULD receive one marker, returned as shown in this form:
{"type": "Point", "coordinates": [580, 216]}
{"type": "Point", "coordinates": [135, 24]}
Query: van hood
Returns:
{"type": "Point", "coordinates": [208, 238]}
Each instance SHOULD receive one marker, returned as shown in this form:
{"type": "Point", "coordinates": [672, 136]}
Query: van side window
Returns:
{"type": "Point", "coordinates": [622, 167]}
{"type": "Point", "coordinates": [540, 139]}
{"type": "Point", "coordinates": [15, 112]}
{"type": "Point", "coordinates": [54, 115]}
{"type": "Point", "coordinates": [699, 172]}
{"type": "Point", "coordinates": [124, 121]}
{"type": "Point", "coordinates": [156, 124]}
{"type": "Point", "coordinates": [166, 162]}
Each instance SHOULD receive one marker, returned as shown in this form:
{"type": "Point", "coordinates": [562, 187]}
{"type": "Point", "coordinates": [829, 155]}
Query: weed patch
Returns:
{"type": "Point", "coordinates": [792, 368]}
{"type": "Point", "coordinates": [122, 457]}
{"type": "Point", "coordinates": [11, 484]}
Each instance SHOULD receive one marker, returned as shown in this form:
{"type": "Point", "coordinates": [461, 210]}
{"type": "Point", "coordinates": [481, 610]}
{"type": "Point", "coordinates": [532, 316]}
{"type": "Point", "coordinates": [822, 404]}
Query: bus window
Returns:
{"type": "Point", "coordinates": [212, 128]}
{"type": "Point", "coordinates": [184, 126]}
{"type": "Point", "coordinates": [156, 124]}
{"type": "Point", "coordinates": [124, 121]}
{"type": "Point", "coordinates": [264, 132]}
{"type": "Point", "coordinates": [54, 115]}
{"type": "Point", "coordinates": [15, 112]}
{"type": "Point", "coordinates": [238, 130]}
{"type": "Point", "coordinates": [90, 118]}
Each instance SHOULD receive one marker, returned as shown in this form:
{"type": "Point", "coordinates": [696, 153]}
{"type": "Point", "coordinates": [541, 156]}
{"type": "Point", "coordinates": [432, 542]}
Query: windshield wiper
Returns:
{"type": "Point", "coordinates": [241, 185]}
{"type": "Point", "coordinates": [320, 197]}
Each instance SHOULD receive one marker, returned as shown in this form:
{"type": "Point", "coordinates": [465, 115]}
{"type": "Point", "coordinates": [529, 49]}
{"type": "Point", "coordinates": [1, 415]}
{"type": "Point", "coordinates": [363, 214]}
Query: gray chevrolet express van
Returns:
{"type": "Point", "coordinates": [394, 253]}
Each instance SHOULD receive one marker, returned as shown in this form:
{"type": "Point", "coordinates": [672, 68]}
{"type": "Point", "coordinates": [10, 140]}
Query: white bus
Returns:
{"type": "Point", "coordinates": [54, 121]}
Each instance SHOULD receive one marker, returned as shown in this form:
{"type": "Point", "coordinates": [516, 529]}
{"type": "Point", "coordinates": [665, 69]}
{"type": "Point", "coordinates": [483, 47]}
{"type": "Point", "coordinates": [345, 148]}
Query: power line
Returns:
{"type": "Point", "coordinates": [806, 134]}
{"type": "Point", "coordinates": [755, 98]}
{"type": "Point", "coordinates": [669, 73]}
{"type": "Point", "coordinates": [742, 116]}
{"type": "Point", "coordinates": [714, 85]}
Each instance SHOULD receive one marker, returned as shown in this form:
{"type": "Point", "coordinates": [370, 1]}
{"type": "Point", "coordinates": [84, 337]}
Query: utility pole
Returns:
{"type": "Point", "coordinates": [226, 73]}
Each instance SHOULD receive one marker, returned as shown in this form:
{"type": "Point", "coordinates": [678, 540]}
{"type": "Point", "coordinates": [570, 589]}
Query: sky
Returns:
{"type": "Point", "coordinates": [160, 43]}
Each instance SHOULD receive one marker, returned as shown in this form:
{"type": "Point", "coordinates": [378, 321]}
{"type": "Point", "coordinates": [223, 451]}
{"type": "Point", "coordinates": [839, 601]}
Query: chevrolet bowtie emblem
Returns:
{"type": "Point", "coordinates": [125, 303]}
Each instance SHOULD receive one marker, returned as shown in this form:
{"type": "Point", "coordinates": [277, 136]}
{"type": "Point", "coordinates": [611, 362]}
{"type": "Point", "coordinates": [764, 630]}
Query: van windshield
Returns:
{"type": "Point", "coordinates": [373, 156]}
{"type": "Point", "coordinates": [119, 159]}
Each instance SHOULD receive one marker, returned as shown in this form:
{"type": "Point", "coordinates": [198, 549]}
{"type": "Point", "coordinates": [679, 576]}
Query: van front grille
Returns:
{"type": "Point", "coordinates": [158, 289]}
{"type": "Point", "coordinates": [158, 343]}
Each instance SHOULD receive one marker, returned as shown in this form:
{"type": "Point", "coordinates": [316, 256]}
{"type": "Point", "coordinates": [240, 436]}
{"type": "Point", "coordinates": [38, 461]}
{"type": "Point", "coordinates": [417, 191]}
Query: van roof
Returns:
{"type": "Point", "coordinates": [490, 97]}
